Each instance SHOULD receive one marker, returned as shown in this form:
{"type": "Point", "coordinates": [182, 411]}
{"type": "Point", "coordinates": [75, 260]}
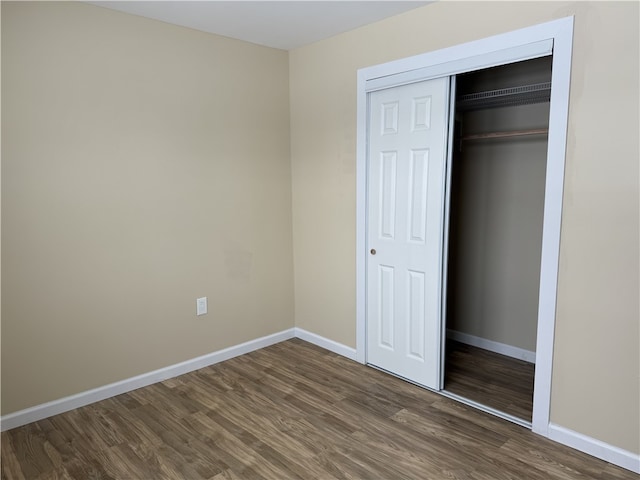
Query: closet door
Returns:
{"type": "Point", "coordinates": [406, 178]}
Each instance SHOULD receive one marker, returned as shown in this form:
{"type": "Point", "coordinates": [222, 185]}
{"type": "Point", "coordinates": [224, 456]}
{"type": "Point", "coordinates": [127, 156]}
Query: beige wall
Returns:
{"type": "Point", "coordinates": [143, 165]}
{"type": "Point", "coordinates": [596, 377]}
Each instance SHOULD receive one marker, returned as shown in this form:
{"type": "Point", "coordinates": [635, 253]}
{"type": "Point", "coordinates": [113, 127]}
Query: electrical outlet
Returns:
{"type": "Point", "coordinates": [201, 306]}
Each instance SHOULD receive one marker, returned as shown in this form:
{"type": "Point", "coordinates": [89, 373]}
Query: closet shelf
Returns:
{"type": "Point", "coordinates": [505, 97]}
{"type": "Point", "coordinates": [513, 133]}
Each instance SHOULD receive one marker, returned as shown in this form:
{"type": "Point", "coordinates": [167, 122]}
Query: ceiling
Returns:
{"type": "Point", "coordinates": [279, 24]}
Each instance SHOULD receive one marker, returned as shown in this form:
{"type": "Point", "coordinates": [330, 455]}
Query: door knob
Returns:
{"type": "Point", "coordinates": [373, 251]}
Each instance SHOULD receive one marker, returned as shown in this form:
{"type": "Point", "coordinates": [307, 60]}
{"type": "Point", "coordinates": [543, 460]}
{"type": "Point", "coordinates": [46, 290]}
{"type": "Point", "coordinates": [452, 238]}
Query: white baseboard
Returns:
{"type": "Point", "coordinates": [325, 343]}
{"type": "Point", "coordinates": [596, 448]}
{"type": "Point", "coordinates": [62, 405]}
{"type": "Point", "coordinates": [496, 347]}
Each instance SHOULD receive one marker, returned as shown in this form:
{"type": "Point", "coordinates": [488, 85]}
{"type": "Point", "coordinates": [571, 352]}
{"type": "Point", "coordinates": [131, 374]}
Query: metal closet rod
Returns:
{"type": "Point", "coordinates": [513, 133]}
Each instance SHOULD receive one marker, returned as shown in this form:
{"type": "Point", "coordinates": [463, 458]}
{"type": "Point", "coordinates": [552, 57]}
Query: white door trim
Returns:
{"type": "Point", "coordinates": [561, 33]}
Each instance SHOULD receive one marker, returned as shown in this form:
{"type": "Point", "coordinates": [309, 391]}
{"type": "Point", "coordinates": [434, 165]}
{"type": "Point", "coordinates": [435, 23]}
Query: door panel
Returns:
{"type": "Point", "coordinates": [408, 131]}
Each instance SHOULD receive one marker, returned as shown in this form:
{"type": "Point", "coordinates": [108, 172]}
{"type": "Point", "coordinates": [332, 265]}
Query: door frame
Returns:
{"type": "Point", "coordinates": [500, 49]}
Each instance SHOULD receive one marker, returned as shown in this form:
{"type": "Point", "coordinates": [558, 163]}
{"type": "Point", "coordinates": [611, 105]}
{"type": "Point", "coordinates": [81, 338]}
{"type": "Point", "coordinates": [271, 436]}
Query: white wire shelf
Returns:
{"type": "Point", "coordinates": [505, 97]}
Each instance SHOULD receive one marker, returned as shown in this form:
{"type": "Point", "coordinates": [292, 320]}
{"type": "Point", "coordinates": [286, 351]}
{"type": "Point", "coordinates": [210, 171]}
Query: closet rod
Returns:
{"type": "Point", "coordinates": [513, 133]}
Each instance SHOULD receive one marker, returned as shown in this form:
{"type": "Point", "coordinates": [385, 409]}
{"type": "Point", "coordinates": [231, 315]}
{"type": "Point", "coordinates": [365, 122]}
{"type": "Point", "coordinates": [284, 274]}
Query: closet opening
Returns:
{"type": "Point", "coordinates": [496, 213]}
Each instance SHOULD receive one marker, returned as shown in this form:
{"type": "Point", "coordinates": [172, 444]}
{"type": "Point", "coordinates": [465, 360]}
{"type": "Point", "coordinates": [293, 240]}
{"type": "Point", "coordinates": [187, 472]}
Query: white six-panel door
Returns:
{"type": "Point", "coordinates": [406, 179]}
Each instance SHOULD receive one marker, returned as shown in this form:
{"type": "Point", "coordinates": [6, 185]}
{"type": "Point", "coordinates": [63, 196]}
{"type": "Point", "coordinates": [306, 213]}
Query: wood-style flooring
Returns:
{"type": "Point", "coordinates": [494, 380]}
{"type": "Point", "coordinates": [291, 410]}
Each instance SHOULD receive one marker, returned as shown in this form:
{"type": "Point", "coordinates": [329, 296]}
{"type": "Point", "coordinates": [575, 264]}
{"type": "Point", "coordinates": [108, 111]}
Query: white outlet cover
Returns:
{"type": "Point", "coordinates": [201, 306]}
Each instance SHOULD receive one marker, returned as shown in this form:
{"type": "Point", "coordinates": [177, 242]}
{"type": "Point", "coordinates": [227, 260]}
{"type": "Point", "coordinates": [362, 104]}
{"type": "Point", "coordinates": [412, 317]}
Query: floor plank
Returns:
{"type": "Point", "coordinates": [491, 379]}
{"type": "Point", "coordinates": [292, 410]}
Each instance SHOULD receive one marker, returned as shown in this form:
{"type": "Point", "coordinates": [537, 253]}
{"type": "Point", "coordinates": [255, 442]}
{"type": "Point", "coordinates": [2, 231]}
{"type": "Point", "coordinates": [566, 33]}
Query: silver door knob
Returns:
{"type": "Point", "coordinates": [373, 251]}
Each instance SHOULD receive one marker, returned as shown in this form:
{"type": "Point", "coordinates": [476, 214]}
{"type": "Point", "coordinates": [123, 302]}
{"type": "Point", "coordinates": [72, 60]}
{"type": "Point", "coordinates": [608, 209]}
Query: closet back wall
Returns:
{"type": "Point", "coordinates": [143, 165]}
{"type": "Point", "coordinates": [498, 189]}
{"type": "Point", "coordinates": [496, 227]}
{"type": "Point", "coordinates": [596, 369]}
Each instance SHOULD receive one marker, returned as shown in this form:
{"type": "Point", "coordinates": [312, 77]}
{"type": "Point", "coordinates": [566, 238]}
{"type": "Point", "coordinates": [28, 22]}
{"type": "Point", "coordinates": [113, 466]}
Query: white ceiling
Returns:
{"type": "Point", "coordinates": [278, 24]}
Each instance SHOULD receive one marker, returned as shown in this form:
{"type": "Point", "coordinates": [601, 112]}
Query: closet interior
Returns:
{"type": "Point", "coordinates": [495, 234]}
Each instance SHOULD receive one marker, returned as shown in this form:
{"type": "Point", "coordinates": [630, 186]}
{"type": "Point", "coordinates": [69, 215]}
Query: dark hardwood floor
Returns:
{"type": "Point", "coordinates": [494, 380]}
{"type": "Point", "coordinates": [291, 410]}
